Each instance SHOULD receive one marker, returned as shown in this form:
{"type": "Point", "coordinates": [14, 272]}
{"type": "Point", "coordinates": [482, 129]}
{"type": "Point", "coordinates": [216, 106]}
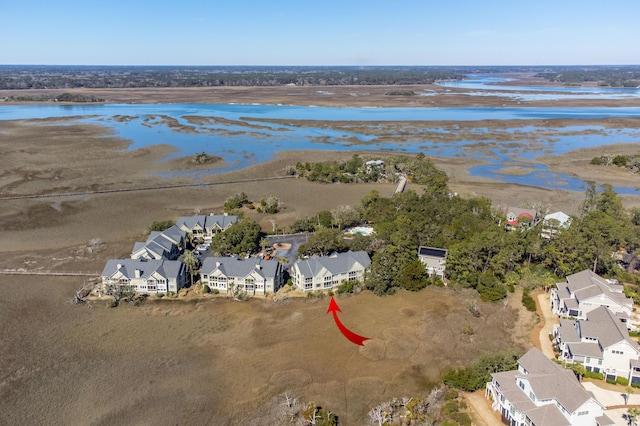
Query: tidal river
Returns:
{"type": "Point", "coordinates": [248, 134]}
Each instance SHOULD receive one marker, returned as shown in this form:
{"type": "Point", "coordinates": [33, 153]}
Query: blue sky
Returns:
{"type": "Point", "coordinates": [323, 32]}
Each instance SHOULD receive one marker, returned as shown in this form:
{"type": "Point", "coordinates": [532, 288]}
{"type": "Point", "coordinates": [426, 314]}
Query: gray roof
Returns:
{"type": "Point", "coordinates": [549, 380]}
{"type": "Point", "coordinates": [604, 420]}
{"type": "Point", "coordinates": [567, 331]}
{"type": "Point", "coordinates": [587, 284]}
{"type": "Point", "coordinates": [240, 268]}
{"type": "Point", "coordinates": [169, 269]}
{"type": "Point", "coordinates": [336, 263]}
{"type": "Point", "coordinates": [547, 415]}
{"type": "Point", "coordinates": [591, 349]}
{"type": "Point", "coordinates": [534, 361]}
{"type": "Point", "coordinates": [511, 391]}
{"type": "Point", "coordinates": [174, 234]}
{"type": "Point", "coordinates": [602, 324]}
{"type": "Point", "coordinates": [160, 243]}
{"type": "Point", "coordinates": [207, 221]}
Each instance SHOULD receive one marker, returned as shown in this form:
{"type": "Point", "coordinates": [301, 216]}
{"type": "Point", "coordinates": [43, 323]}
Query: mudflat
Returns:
{"type": "Point", "coordinates": [215, 361]}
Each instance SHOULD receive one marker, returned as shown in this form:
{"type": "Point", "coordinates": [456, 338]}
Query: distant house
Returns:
{"type": "Point", "coordinates": [205, 226]}
{"type": "Point", "coordinates": [584, 292]}
{"type": "Point", "coordinates": [518, 218]}
{"type": "Point", "coordinates": [168, 244]}
{"type": "Point", "coordinates": [434, 260]}
{"type": "Point", "coordinates": [553, 223]}
{"type": "Point", "coordinates": [541, 392]}
{"type": "Point", "coordinates": [145, 276]}
{"type": "Point", "coordinates": [600, 342]}
{"type": "Point", "coordinates": [328, 272]}
{"type": "Point", "coordinates": [253, 275]}
{"type": "Point", "coordinates": [373, 163]}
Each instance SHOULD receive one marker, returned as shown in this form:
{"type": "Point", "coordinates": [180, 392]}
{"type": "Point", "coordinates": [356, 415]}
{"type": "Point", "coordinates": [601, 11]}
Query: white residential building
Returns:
{"type": "Point", "coordinates": [554, 223]}
{"type": "Point", "coordinates": [586, 291]}
{"type": "Point", "coordinates": [145, 276]}
{"type": "Point", "coordinates": [328, 272]}
{"type": "Point", "coordinates": [434, 260]}
{"type": "Point", "coordinates": [541, 393]}
{"type": "Point", "coordinates": [167, 244]}
{"type": "Point", "coordinates": [600, 342]}
{"type": "Point", "coordinates": [253, 275]}
{"type": "Point", "coordinates": [206, 226]}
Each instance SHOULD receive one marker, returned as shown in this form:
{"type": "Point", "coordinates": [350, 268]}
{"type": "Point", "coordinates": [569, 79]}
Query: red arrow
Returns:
{"type": "Point", "coordinates": [355, 338]}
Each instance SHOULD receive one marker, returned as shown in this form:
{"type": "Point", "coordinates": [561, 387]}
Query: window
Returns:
{"type": "Point", "coordinates": [352, 275]}
{"type": "Point", "coordinates": [308, 283]}
{"type": "Point", "coordinates": [521, 384]}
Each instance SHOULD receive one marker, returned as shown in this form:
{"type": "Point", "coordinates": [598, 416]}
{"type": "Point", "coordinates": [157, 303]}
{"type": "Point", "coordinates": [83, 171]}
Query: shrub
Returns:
{"type": "Point", "coordinates": [451, 394]}
{"type": "Point", "coordinates": [215, 291]}
{"type": "Point", "coordinates": [346, 287]}
{"type": "Point", "coordinates": [206, 289]}
{"type": "Point", "coordinates": [593, 375]}
{"type": "Point", "coordinates": [468, 330]}
{"type": "Point", "coordinates": [451, 407]}
{"type": "Point", "coordinates": [596, 161]}
{"type": "Point", "coordinates": [159, 295]}
{"type": "Point", "coordinates": [462, 419]}
{"type": "Point", "coordinates": [112, 303]}
{"type": "Point", "coordinates": [528, 301]}
{"type": "Point", "coordinates": [620, 160]}
{"type": "Point", "coordinates": [622, 381]}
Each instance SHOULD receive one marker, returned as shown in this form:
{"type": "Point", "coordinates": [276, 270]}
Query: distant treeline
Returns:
{"type": "Point", "coordinates": [67, 77]}
{"type": "Point", "coordinates": [76, 76]}
{"type": "Point", "coordinates": [622, 76]}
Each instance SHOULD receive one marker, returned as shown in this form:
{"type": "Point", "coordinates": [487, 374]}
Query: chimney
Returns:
{"type": "Point", "coordinates": [218, 264]}
{"type": "Point", "coordinates": [137, 273]}
{"type": "Point", "coordinates": [258, 266]}
{"type": "Point", "coordinates": [119, 266]}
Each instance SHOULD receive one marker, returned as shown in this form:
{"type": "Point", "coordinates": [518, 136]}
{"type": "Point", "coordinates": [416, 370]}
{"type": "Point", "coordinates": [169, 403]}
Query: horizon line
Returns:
{"type": "Point", "coordinates": [319, 66]}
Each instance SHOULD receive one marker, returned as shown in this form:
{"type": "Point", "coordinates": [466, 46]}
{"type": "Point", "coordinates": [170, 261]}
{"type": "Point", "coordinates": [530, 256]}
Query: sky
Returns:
{"type": "Point", "coordinates": [321, 32]}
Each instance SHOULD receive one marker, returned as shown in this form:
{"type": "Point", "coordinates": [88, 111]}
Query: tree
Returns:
{"type": "Point", "coordinates": [324, 242]}
{"type": "Point", "coordinates": [413, 276]}
{"type": "Point", "coordinates": [191, 261]}
{"type": "Point", "coordinates": [240, 238]}
{"type": "Point", "coordinates": [579, 370]}
{"type": "Point", "coordinates": [325, 219]}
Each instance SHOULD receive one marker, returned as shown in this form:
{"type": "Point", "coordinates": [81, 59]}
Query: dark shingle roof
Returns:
{"type": "Point", "coordinates": [432, 252]}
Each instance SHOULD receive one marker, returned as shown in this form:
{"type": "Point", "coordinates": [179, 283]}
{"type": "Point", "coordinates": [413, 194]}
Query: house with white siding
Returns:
{"type": "Point", "coordinates": [328, 272]}
{"type": "Point", "coordinates": [206, 226]}
{"type": "Point", "coordinates": [540, 392]}
{"type": "Point", "coordinates": [585, 291]}
{"type": "Point", "coordinates": [600, 342]}
{"type": "Point", "coordinates": [145, 276]}
{"type": "Point", "coordinates": [167, 244]}
{"type": "Point", "coordinates": [554, 223]}
{"type": "Point", "coordinates": [434, 260]}
{"type": "Point", "coordinates": [254, 276]}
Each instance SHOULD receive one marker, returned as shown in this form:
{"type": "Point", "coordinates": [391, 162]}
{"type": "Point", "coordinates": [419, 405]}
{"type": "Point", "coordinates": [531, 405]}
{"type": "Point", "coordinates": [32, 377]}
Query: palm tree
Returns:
{"type": "Point", "coordinates": [191, 261]}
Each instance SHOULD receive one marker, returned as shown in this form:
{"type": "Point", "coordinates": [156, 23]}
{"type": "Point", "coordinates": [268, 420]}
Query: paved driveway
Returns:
{"type": "Point", "coordinates": [296, 240]}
